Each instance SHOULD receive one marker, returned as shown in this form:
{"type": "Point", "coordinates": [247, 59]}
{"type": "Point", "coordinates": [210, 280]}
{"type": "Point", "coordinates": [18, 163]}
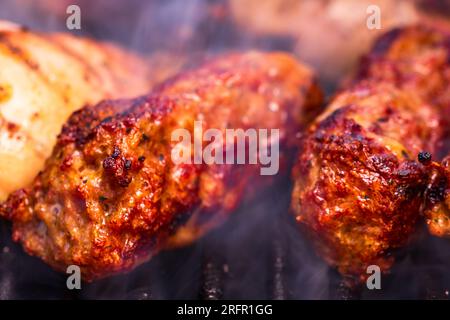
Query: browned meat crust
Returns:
{"type": "Point", "coordinates": [110, 195]}
{"type": "Point", "coordinates": [358, 185]}
{"type": "Point", "coordinates": [415, 59]}
{"type": "Point", "coordinates": [437, 199]}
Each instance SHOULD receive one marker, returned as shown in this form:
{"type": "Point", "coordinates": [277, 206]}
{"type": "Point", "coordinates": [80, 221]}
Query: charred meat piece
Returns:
{"type": "Point", "coordinates": [110, 196]}
{"type": "Point", "coordinates": [358, 183]}
{"type": "Point", "coordinates": [357, 188]}
{"type": "Point", "coordinates": [417, 59]}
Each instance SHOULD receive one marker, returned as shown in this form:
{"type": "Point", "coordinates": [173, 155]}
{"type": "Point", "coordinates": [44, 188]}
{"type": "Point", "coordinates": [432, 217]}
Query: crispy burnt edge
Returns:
{"type": "Point", "coordinates": [437, 198]}
{"type": "Point", "coordinates": [435, 36]}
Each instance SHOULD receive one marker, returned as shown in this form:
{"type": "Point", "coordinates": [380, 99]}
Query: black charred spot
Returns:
{"type": "Point", "coordinates": [144, 138]}
{"type": "Point", "coordinates": [436, 192]}
{"type": "Point", "coordinates": [178, 220]}
{"type": "Point", "coordinates": [56, 209]}
{"type": "Point", "coordinates": [116, 152]}
{"type": "Point", "coordinates": [103, 202]}
{"type": "Point", "coordinates": [128, 164]}
{"type": "Point", "coordinates": [319, 136]}
{"type": "Point", "coordinates": [408, 192]}
{"type": "Point", "coordinates": [424, 157]}
{"type": "Point", "coordinates": [106, 120]}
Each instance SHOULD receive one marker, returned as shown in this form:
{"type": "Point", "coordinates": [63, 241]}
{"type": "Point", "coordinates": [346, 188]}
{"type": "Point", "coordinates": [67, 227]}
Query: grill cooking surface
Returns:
{"type": "Point", "coordinates": [257, 254]}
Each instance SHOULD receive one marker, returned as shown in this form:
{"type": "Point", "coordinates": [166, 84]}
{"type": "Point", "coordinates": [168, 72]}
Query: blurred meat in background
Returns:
{"type": "Point", "coordinates": [329, 35]}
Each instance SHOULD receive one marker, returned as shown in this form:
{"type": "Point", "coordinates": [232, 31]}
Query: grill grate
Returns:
{"type": "Point", "coordinates": [250, 257]}
{"type": "Point", "coordinates": [208, 275]}
{"type": "Point", "coordinates": [279, 292]}
{"type": "Point", "coordinates": [213, 276]}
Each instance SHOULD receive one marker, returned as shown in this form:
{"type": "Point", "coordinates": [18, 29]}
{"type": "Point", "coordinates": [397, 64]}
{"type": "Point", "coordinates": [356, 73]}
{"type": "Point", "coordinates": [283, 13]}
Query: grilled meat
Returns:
{"type": "Point", "coordinates": [358, 185]}
{"type": "Point", "coordinates": [43, 79]}
{"type": "Point", "coordinates": [416, 59]}
{"type": "Point", "coordinates": [110, 195]}
{"type": "Point", "coordinates": [437, 199]}
{"type": "Point", "coordinates": [304, 22]}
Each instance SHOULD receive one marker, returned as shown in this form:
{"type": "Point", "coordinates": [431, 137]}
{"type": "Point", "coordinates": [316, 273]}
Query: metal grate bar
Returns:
{"type": "Point", "coordinates": [212, 280]}
{"type": "Point", "coordinates": [279, 291]}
